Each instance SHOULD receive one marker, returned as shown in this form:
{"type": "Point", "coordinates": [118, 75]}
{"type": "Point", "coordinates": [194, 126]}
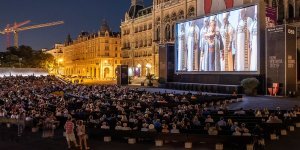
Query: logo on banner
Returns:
{"type": "Point", "coordinates": [290, 31]}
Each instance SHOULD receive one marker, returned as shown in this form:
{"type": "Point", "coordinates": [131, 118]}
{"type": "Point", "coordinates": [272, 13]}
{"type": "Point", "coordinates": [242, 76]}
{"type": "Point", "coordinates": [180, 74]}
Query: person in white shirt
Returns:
{"type": "Point", "coordinates": [125, 127]}
{"type": "Point", "coordinates": [221, 123]}
{"type": "Point", "coordinates": [237, 132]}
{"type": "Point", "coordinates": [118, 126]}
{"type": "Point", "coordinates": [174, 129]}
{"type": "Point", "coordinates": [209, 119]}
{"type": "Point", "coordinates": [145, 127]}
{"type": "Point", "coordinates": [105, 126]}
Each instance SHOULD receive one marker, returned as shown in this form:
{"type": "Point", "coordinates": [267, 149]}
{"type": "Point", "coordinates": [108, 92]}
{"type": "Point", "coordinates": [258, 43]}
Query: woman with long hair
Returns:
{"type": "Point", "coordinates": [81, 134]}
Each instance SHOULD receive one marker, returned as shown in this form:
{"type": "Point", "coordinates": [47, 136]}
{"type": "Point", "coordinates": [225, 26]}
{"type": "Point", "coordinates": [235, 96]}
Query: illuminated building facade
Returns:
{"type": "Point", "coordinates": [94, 56]}
{"type": "Point", "coordinates": [145, 28]}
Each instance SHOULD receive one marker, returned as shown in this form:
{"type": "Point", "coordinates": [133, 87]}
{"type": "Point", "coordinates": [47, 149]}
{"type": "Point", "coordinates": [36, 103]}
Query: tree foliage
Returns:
{"type": "Point", "coordinates": [25, 57]}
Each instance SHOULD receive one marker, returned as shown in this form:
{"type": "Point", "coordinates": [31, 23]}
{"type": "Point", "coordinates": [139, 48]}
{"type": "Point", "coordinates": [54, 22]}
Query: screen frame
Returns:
{"type": "Point", "coordinates": [259, 17]}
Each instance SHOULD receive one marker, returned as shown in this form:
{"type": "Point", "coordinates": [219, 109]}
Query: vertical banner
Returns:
{"type": "Point", "coordinates": [282, 59]}
{"type": "Point", "coordinates": [275, 71]}
{"type": "Point", "coordinates": [291, 56]}
{"type": "Point", "coordinates": [271, 16]}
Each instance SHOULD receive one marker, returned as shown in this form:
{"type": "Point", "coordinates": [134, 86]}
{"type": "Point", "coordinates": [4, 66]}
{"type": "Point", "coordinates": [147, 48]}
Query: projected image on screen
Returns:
{"type": "Point", "coordinates": [222, 42]}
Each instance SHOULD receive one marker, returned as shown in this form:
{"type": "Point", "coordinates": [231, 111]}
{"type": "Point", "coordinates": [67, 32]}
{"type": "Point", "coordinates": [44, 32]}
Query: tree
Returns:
{"type": "Point", "coordinates": [26, 57]}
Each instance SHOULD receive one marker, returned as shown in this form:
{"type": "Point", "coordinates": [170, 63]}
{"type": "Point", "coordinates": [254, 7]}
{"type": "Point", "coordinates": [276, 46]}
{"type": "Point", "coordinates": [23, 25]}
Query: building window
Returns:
{"type": "Point", "coordinates": [116, 61]}
{"type": "Point", "coordinates": [167, 33]}
{"type": "Point", "coordinates": [191, 12]}
{"type": "Point", "coordinates": [106, 48]}
{"type": "Point", "coordinates": [106, 41]}
{"type": "Point", "coordinates": [106, 54]}
{"type": "Point", "coordinates": [158, 20]}
{"type": "Point", "coordinates": [116, 55]}
{"type": "Point", "coordinates": [174, 16]}
{"type": "Point", "coordinates": [157, 34]}
{"type": "Point", "coordinates": [150, 26]}
{"type": "Point", "coordinates": [181, 14]}
{"type": "Point", "coordinates": [116, 48]}
{"type": "Point", "coordinates": [173, 31]}
{"type": "Point", "coordinates": [167, 18]}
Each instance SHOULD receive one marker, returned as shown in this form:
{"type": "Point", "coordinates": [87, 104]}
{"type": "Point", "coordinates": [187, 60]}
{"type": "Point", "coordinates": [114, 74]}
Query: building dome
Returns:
{"type": "Point", "coordinates": [136, 6]}
{"type": "Point", "coordinates": [104, 26]}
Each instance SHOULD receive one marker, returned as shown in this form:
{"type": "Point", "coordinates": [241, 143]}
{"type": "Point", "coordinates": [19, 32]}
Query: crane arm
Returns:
{"type": "Point", "coordinates": [17, 25]}
{"type": "Point", "coordinates": [40, 26]}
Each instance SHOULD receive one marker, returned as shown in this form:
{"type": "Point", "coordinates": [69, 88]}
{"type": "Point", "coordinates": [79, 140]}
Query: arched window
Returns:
{"type": "Point", "coordinates": [174, 16]}
{"type": "Point", "coordinates": [158, 33]}
{"type": "Point", "coordinates": [167, 33]}
{"type": "Point", "coordinates": [167, 18]}
{"type": "Point", "coordinates": [173, 31]}
{"type": "Point", "coordinates": [291, 11]}
{"type": "Point", "coordinates": [181, 14]}
{"type": "Point", "coordinates": [191, 12]}
{"type": "Point", "coordinates": [157, 20]}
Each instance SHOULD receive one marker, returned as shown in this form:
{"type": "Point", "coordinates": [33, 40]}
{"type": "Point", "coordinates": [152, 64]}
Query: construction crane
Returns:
{"type": "Point", "coordinates": [17, 28]}
{"type": "Point", "coordinates": [10, 28]}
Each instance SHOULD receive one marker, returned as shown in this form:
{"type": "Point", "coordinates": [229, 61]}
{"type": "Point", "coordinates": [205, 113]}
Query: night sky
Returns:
{"type": "Point", "coordinates": [78, 15]}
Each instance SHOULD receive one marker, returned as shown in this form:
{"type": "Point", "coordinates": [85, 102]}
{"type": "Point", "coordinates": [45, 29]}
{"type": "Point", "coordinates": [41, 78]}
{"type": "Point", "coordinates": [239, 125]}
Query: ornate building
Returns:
{"type": "Point", "coordinates": [92, 55]}
{"type": "Point", "coordinates": [145, 28]}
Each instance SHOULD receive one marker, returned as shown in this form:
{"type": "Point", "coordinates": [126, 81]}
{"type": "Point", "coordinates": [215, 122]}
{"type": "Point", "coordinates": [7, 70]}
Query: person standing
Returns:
{"type": "Point", "coordinates": [69, 133]}
{"type": "Point", "coordinates": [182, 49]}
{"type": "Point", "coordinates": [213, 40]}
{"type": "Point", "coordinates": [203, 45]}
{"type": "Point", "coordinates": [82, 134]}
{"type": "Point", "coordinates": [193, 46]}
{"type": "Point", "coordinates": [242, 56]}
{"type": "Point", "coordinates": [21, 123]}
{"type": "Point", "coordinates": [253, 43]}
{"type": "Point", "coordinates": [227, 32]}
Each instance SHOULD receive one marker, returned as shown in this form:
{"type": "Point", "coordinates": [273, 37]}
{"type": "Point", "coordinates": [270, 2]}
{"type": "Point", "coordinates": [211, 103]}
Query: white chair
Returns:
{"type": "Point", "coordinates": [188, 145]}
{"type": "Point", "coordinates": [159, 143]}
{"type": "Point", "coordinates": [250, 147]}
{"type": "Point", "coordinates": [107, 139]}
{"type": "Point", "coordinates": [283, 132]}
{"type": "Point", "coordinates": [131, 141]}
{"type": "Point", "coordinates": [219, 146]}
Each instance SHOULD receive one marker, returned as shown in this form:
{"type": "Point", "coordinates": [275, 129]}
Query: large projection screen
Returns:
{"type": "Point", "coordinates": [226, 42]}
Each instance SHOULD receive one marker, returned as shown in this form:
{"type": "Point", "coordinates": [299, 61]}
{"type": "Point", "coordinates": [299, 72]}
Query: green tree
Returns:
{"type": "Point", "coordinates": [26, 57]}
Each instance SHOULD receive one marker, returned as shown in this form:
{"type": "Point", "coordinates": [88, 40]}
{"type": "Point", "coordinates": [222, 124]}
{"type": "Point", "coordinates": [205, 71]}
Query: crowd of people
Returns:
{"type": "Point", "coordinates": [48, 103]}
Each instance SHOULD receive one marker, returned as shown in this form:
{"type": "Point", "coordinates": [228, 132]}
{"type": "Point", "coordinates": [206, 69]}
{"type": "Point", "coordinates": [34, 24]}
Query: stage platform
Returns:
{"type": "Point", "coordinates": [210, 88]}
{"type": "Point", "coordinates": [285, 103]}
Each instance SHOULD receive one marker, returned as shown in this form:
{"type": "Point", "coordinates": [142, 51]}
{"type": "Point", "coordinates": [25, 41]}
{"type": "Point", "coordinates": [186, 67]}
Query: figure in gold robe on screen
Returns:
{"type": "Point", "coordinates": [203, 45]}
{"type": "Point", "coordinates": [242, 56]}
{"type": "Point", "coordinates": [253, 43]}
{"type": "Point", "coordinates": [193, 47]}
{"type": "Point", "coordinates": [227, 33]}
{"type": "Point", "coordinates": [213, 39]}
{"type": "Point", "coordinates": [182, 48]}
